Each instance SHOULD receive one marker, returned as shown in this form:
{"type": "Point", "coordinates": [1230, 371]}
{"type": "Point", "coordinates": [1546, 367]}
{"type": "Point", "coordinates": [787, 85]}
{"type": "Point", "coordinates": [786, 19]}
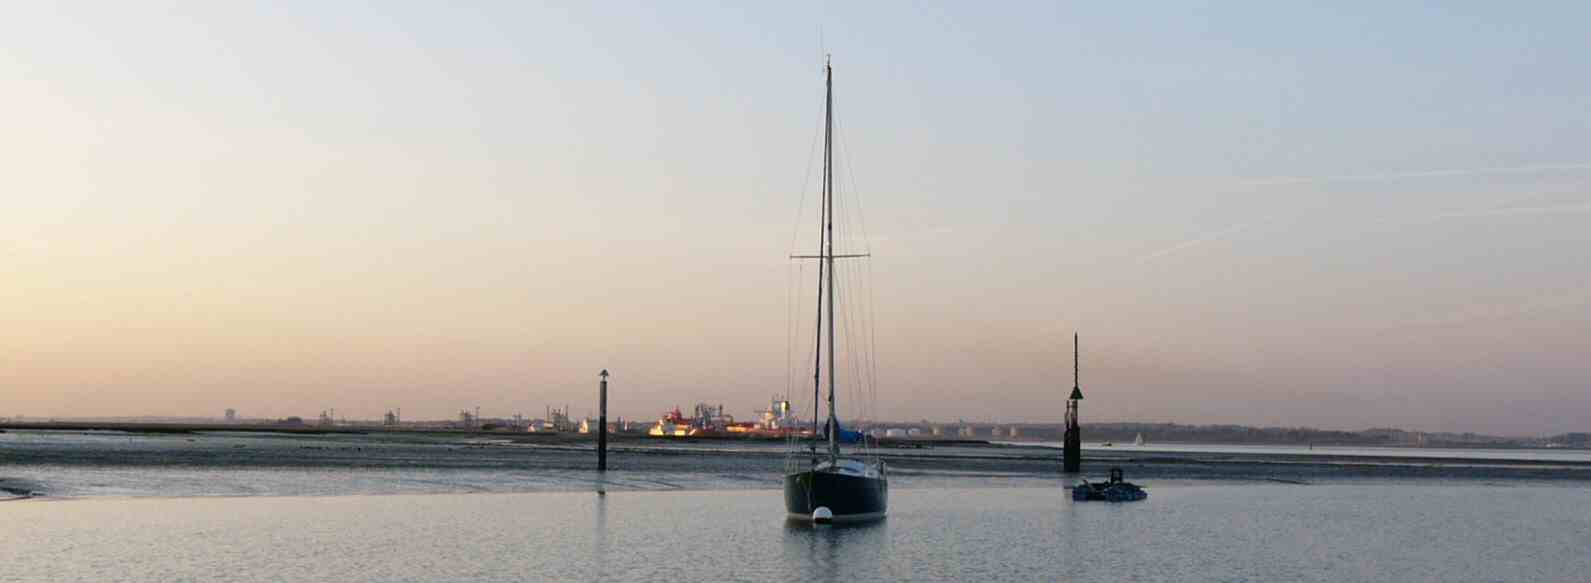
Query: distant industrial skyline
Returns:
{"type": "Point", "coordinates": [1281, 214]}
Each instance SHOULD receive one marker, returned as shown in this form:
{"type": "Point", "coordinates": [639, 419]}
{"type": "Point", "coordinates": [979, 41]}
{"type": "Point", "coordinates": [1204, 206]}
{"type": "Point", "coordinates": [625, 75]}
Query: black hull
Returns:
{"type": "Point", "coordinates": [849, 498]}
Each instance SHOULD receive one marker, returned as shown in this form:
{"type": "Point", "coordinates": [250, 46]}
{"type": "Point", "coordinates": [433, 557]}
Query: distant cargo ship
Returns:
{"type": "Point", "coordinates": [711, 420]}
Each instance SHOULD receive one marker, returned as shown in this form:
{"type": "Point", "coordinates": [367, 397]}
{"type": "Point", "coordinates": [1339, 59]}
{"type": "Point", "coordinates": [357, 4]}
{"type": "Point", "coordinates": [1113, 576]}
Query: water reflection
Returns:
{"type": "Point", "coordinates": [828, 548]}
{"type": "Point", "coordinates": [799, 524]}
{"type": "Point", "coordinates": [1387, 532]}
{"type": "Point", "coordinates": [599, 536]}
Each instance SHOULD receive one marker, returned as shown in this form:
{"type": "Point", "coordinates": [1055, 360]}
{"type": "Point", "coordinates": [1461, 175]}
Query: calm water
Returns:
{"type": "Point", "coordinates": [1429, 532]}
{"type": "Point", "coordinates": [244, 507]}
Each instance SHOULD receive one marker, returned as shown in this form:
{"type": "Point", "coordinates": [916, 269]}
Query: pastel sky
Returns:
{"type": "Point", "coordinates": [1341, 215]}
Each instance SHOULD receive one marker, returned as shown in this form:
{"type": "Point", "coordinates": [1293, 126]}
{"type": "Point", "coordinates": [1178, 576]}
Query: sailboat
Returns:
{"type": "Point", "coordinates": [825, 485]}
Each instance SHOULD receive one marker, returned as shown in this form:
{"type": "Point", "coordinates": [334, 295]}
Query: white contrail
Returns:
{"type": "Point", "coordinates": [1229, 232]}
{"type": "Point", "coordinates": [1288, 180]}
{"type": "Point", "coordinates": [1212, 237]}
{"type": "Point", "coordinates": [1564, 299]}
{"type": "Point", "coordinates": [1519, 210]}
{"type": "Point", "coordinates": [1580, 207]}
{"type": "Point", "coordinates": [1283, 181]}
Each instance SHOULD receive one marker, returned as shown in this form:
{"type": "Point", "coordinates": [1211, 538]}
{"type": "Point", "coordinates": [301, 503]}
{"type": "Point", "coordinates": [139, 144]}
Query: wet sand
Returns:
{"type": "Point", "coordinates": [707, 463]}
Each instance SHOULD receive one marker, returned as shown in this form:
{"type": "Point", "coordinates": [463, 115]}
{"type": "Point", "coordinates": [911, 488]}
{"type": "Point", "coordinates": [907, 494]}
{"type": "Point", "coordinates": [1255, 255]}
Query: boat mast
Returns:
{"type": "Point", "coordinates": [828, 243]}
{"type": "Point", "coordinates": [817, 334]}
{"type": "Point", "coordinates": [826, 257]}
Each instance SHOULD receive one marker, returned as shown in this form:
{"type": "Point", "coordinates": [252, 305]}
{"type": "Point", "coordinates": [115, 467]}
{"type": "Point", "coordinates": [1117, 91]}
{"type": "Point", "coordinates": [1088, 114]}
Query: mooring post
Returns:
{"type": "Point", "coordinates": [602, 424]}
{"type": "Point", "coordinates": [1072, 441]}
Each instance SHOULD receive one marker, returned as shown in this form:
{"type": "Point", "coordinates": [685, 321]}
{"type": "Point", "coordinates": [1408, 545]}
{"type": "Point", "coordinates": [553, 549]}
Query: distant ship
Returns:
{"type": "Point", "coordinates": [1139, 441]}
{"type": "Point", "coordinates": [825, 486]}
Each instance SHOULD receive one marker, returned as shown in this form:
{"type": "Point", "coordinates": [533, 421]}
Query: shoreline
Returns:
{"type": "Point", "coordinates": [884, 443]}
{"type": "Point", "coordinates": [77, 463]}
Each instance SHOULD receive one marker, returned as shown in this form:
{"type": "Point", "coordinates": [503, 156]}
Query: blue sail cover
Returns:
{"type": "Point", "coordinates": [844, 435]}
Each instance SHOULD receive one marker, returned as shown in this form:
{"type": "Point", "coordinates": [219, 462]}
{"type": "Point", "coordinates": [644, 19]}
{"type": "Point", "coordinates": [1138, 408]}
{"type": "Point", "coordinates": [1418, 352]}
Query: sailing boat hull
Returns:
{"type": "Point", "coordinates": [850, 498]}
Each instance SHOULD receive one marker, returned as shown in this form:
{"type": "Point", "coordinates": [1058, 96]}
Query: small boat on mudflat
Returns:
{"type": "Point", "coordinates": [1114, 490]}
